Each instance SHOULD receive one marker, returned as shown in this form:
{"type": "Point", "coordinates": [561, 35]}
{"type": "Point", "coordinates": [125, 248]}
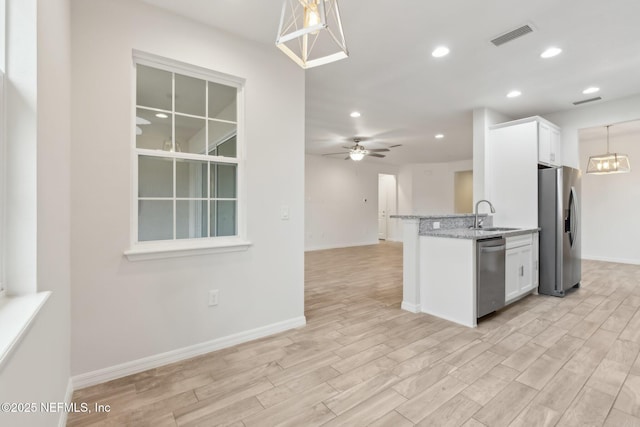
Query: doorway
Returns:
{"type": "Point", "coordinates": [463, 192]}
{"type": "Point", "coordinates": [387, 205]}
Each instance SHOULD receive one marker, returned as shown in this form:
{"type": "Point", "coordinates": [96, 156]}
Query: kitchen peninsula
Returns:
{"type": "Point", "coordinates": [439, 264]}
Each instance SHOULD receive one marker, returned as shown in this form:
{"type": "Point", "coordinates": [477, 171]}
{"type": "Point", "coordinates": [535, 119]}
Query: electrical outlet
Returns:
{"type": "Point", "coordinates": [213, 298]}
{"type": "Point", "coordinates": [436, 225]}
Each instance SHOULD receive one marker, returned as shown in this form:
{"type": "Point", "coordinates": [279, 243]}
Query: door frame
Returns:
{"type": "Point", "coordinates": [388, 193]}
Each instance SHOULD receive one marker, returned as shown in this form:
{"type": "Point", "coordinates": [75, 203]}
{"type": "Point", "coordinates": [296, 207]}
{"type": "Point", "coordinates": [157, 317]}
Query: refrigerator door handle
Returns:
{"type": "Point", "coordinates": [574, 215]}
{"type": "Point", "coordinates": [571, 220]}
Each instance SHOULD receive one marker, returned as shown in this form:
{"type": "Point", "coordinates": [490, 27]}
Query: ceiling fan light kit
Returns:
{"type": "Point", "coordinates": [358, 155]}
{"type": "Point", "coordinates": [310, 32]}
{"type": "Point", "coordinates": [608, 163]}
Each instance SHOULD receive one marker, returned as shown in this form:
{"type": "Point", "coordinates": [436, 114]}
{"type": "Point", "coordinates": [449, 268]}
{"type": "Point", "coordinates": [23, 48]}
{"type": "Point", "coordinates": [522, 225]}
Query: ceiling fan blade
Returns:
{"type": "Point", "coordinates": [331, 154]}
{"type": "Point", "coordinates": [348, 148]}
{"type": "Point", "coordinates": [358, 139]}
{"type": "Point", "coordinates": [142, 121]}
{"type": "Point", "coordinates": [376, 155]}
{"type": "Point", "coordinates": [397, 145]}
{"type": "Point", "coordinates": [347, 158]}
{"type": "Point", "coordinates": [377, 150]}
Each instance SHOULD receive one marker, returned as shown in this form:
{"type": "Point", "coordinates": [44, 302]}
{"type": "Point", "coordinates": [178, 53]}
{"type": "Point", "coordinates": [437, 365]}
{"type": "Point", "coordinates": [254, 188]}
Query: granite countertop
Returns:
{"type": "Point", "coordinates": [468, 233]}
{"type": "Point", "coordinates": [437, 216]}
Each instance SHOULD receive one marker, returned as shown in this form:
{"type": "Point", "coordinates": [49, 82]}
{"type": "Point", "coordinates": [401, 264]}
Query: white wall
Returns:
{"type": "Point", "coordinates": [610, 203]}
{"type": "Point", "coordinates": [336, 214]}
{"type": "Point", "coordinates": [431, 186]}
{"type": "Point", "coordinates": [591, 115]}
{"type": "Point", "coordinates": [483, 119]}
{"type": "Point", "coordinates": [405, 190]}
{"type": "Point", "coordinates": [38, 136]}
{"type": "Point", "coordinates": [597, 243]}
{"type": "Point", "coordinates": [123, 311]}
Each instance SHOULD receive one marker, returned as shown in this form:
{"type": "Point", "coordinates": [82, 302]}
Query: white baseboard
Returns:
{"type": "Point", "coordinates": [62, 422]}
{"type": "Point", "coordinates": [608, 259]}
{"type": "Point", "coordinates": [413, 308]}
{"type": "Point", "coordinates": [128, 368]}
{"type": "Point", "coordinates": [339, 246]}
{"type": "Point", "coordinates": [472, 324]}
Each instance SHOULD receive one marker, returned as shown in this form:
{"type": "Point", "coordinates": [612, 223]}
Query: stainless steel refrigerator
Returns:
{"type": "Point", "coordinates": [559, 222]}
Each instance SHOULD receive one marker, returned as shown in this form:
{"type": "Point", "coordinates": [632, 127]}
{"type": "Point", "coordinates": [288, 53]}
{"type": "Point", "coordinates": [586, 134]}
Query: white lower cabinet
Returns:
{"type": "Point", "coordinates": [520, 270]}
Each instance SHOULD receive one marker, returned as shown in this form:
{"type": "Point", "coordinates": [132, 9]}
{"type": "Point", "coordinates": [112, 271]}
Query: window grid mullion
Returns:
{"type": "Point", "coordinates": [187, 156]}
{"type": "Point", "coordinates": [192, 116]}
{"type": "Point", "coordinates": [231, 122]}
{"type": "Point", "coordinates": [209, 197]}
{"type": "Point", "coordinates": [206, 144]}
{"type": "Point", "coordinates": [158, 110]}
{"type": "Point", "coordinates": [173, 145]}
{"type": "Point", "coordinates": [206, 117]}
{"type": "Point", "coordinates": [215, 195]}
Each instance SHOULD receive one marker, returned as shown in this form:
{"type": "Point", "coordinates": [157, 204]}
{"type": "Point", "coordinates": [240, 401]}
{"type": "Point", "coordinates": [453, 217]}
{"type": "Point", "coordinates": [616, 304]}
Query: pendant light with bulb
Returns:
{"type": "Point", "coordinates": [608, 163]}
{"type": "Point", "coordinates": [310, 32]}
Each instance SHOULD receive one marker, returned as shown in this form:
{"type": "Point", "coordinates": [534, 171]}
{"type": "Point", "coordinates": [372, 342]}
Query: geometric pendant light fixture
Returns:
{"type": "Point", "coordinates": [310, 32]}
{"type": "Point", "coordinates": [608, 163]}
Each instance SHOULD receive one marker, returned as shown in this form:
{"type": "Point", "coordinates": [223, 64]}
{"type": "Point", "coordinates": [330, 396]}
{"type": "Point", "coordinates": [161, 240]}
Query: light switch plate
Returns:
{"type": "Point", "coordinates": [213, 298]}
{"type": "Point", "coordinates": [284, 213]}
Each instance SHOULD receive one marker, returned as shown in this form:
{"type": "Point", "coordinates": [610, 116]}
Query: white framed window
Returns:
{"type": "Point", "coordinates": [3, 156]}
{"type": "Point", "coordinates": [3, 153]}
{"type": "Point", "coordinates": [187, 160]}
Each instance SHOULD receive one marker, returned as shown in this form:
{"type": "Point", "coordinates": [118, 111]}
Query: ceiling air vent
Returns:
{"type": "Point", "coordinates": [587, 100]}
{"type": "Point", "coordinates": [512, 35]}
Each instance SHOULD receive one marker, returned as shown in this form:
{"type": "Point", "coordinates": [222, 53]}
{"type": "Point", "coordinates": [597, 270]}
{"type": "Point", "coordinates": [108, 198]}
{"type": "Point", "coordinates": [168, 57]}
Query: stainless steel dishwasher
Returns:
{"type": "Point", "coordinates": [490, 255]}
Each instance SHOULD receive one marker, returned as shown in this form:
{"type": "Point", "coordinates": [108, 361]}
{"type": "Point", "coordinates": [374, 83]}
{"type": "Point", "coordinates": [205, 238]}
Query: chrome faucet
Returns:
{"type": "Point", "coordinates": [475, 223]}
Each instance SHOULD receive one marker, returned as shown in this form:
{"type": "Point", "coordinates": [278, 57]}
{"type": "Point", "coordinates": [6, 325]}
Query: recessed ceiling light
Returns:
{"type": "Point", "coordinates": [551, 52]}
{"type": "Point", "coordinates": [591, 89]}
{"type": "Point", "coordinates": [355, 114]}
{"type": "Point", "coordinates": [514, 94]}
{"type": "Point", "coordinates": [439, 136]}
{"type": "Point", "coordinates": [162, 116]}
{"type": "Point", "coordinates": [440, 51]}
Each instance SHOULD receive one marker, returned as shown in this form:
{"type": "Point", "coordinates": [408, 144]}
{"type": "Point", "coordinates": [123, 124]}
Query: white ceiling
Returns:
{"type": "Point", "coordinates": [406, 96]}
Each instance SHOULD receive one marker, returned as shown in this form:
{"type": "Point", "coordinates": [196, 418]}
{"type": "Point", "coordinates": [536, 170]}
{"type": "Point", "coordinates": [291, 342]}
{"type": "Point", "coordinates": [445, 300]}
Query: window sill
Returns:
{"type": "Point", "coordinates": [160, 250]}
{"type": "Point", "coordinates": [16, 317]}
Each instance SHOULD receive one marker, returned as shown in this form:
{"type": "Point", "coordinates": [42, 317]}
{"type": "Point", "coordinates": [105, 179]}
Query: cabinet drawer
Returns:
{"type": "Point", "coordinates": [517, 241]}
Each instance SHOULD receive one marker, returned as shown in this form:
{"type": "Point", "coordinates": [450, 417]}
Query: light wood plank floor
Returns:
{"type": "Point", "coordinates": [362, 361]}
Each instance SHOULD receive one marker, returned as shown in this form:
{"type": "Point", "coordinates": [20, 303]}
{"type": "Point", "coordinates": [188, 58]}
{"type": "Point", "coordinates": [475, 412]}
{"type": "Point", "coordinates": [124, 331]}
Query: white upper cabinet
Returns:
{"type": "Point", "coordinates": [549, 150]}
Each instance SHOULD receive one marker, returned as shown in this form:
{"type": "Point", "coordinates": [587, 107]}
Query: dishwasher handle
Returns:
{"type": "Point", "coordinates": [489, 249]}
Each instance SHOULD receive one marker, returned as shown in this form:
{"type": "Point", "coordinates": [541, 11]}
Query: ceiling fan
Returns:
{"type": "Point", "coordinates": [141, 122]}
{"type": "Point", "coordinates": [357, 152]}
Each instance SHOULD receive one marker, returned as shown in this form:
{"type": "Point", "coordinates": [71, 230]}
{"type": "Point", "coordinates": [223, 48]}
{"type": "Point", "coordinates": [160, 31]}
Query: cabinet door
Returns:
{"type": "Point", "coordinates": [512, 274]}
{"type": "Point", "coordinates": [544, 143]}
{"type": "Point", "coordinates": [526, 269]}
{"type": "Point", "coordinates": [511, 174]}
{"type": "Point", "coordinates": [555, 150]}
